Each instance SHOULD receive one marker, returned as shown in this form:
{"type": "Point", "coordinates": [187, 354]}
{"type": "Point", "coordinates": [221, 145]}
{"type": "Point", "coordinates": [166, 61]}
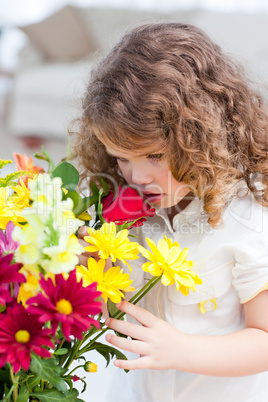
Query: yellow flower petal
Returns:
{"type": "Point", "coordinates": [168, 260]}
{"type": "Point", "coordinates": [109, 243]}
{"type": "Point", "coordinates": [111, 283]}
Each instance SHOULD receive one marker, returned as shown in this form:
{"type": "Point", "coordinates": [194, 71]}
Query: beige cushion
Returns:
{"type": "Point", "coordinates": [62, 36]}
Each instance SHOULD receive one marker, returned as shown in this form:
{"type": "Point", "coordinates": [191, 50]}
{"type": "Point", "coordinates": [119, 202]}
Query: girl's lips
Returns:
{"type": "Point", "coordinates": [153, 197]}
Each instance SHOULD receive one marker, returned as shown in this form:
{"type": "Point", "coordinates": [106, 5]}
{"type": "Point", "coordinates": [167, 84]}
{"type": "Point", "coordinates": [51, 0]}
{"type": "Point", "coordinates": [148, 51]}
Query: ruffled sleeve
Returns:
{"type": "Point", "coordinates": [250, 273]}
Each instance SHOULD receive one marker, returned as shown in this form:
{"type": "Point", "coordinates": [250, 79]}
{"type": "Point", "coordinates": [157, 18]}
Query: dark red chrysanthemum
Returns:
{"type": "Point", "coordinates": [8, 273]}
{"type": "Point", "coordinates": [21, 334]}
{"type": "Point", "coordinates": [66, 302]}
{"type": "Point", "coordinates": [128, 206]}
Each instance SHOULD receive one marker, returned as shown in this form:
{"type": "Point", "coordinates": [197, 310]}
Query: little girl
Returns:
{"type": "Point", "coordinates": [168, 113]}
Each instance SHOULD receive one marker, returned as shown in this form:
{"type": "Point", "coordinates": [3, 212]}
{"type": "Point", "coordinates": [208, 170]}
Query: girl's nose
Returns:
{"type": "Point", "coordinates": [140, 176]}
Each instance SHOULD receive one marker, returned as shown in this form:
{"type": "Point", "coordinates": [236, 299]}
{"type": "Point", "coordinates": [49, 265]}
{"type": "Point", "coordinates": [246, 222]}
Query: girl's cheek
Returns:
{"type": "Point", "coordinates": [125, 173]}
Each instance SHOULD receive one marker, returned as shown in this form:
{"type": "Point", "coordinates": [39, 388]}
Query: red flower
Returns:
{"type": "Point", "coordinates": [8, 273]}
{"type": "Point", "coordinates": [126, 207]}
{"type": "Point", "coordinates": [21, 334]}
{"type": "Point", "coordinates": [66, 302]}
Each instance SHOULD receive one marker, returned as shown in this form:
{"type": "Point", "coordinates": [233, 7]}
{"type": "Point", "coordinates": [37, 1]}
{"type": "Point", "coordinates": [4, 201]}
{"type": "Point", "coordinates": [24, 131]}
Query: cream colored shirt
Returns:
{"type": "Point", "coordinates": [232, 261]}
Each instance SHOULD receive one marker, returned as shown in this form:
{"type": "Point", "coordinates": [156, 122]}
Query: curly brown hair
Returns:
{"type": "Point", "coordinates": [170, 82]}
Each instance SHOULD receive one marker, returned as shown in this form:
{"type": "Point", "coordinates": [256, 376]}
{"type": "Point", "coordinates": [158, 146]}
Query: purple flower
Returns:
{"type": "Point", "coordinates": [7, 244]}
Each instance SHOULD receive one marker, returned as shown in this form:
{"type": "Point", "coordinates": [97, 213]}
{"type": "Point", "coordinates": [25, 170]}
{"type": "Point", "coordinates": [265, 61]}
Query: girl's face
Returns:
{"type": "Point", "coordinates": [149, 173]}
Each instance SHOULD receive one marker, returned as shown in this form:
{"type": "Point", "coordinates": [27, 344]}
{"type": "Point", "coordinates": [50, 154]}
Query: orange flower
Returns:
{"type": "Point", "coordinates": [25, 163]}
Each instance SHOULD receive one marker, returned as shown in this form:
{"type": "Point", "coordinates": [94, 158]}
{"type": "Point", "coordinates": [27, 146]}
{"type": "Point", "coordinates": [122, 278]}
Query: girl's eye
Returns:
{"type": "Point", "coordinates": [121, 159]}
{"type": "Point", "coordinates": [156, 157]}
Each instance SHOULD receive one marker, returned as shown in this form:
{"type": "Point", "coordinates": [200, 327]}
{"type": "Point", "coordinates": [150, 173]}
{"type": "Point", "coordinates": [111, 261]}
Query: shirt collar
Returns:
{"type": "Point", "coordinates": [193, 214]}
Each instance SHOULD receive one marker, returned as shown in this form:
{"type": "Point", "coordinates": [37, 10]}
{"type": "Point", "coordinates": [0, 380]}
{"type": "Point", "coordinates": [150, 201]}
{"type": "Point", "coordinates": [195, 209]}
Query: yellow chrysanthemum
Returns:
{"type": "Point", "coordinates": [8, 210]}
{"type": "Point", "coordinates": [167, 259]}
{"type": "Point", "coordinates": [21, 196]}
{"type": "Point", "coordinates": [110, 283]}
{"type": "Point", "coordinates": [28, 289]}
{"type": "Point", "coordinates": [111, 244]}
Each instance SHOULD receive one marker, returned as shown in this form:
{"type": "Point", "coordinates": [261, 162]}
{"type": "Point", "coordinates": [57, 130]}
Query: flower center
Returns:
{"type": "Point", "coordinates": [64, 256]}
{"type": "Point", "coordinates": [64, 307]}
{"type": "Point", "coordinates": [22, 336]}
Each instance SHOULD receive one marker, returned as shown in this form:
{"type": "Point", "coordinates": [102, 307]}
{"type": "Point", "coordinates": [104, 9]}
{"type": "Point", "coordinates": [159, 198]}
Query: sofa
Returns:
{"type": "Point", "coordinates": [55, 63]}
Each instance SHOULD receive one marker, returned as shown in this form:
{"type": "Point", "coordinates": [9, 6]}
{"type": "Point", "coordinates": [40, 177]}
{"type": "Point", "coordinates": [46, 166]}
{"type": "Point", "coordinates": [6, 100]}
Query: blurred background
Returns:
{"type": "Point", "coordinates": [48, 47]}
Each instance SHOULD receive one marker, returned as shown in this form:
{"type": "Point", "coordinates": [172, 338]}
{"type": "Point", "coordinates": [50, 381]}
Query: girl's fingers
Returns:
{"type": "Point", "coordinates": [129, 345]}
{"type": "Point", "coordinates": [136, 364]}
{"type": "Point", "coordinates": [82, 260]}
{"type": "Point", "coordinates": [133, 330]}
{"type": "Point", "coordinates": [83, 243]}
{"type": "Point", "coordinates": [142, 316]}
{"type": "Point", "coordinates": [82, 231]}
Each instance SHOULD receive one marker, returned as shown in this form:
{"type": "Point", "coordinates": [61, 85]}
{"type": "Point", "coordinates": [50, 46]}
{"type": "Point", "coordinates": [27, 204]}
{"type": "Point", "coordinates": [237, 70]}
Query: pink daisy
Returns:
{"type": "Point", "coordinates": [66, 302]}
{"type": "Point", "coordinates": [21, 334]}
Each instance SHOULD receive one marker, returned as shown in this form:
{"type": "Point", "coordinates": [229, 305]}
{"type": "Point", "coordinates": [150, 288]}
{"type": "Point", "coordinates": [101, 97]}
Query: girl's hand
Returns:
{"type": "Point", "coordinates": [160, 345]}
{"type": "Point", "coordinates": [82, 232]}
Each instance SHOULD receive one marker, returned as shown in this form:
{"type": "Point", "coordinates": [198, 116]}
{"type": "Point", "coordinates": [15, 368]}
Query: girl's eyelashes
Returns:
{"type": "Point", "coordinates": [156, 157]}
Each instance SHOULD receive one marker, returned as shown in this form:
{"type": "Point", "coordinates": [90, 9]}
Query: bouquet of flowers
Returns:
{"type": "Point", "coordinates": [50, 309]}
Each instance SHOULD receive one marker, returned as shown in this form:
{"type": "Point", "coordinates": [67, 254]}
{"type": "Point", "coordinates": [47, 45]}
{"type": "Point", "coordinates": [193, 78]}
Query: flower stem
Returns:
{"type": "Point", "coordinates": [73, 354]}
{"type": "Point", "coordinates": [15, 382]}
{"type": "Point", "coordinates": [81, 365]}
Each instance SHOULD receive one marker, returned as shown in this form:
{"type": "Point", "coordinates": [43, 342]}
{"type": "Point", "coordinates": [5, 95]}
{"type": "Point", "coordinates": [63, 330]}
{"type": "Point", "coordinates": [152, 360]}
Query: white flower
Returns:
{"type": "Point", "coordinates": [64, 218]}
{"type": "Point", "coordinates": [62, 257]}
{"type": "Point", "coordinates": [45, 190]}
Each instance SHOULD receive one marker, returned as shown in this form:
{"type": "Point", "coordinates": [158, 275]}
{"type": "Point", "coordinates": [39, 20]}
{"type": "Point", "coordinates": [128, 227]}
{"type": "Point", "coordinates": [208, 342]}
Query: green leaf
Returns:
{"type": "Point", "coordinates": [112, 309]}
{"type": "Point", "coordinates": [69, 382]}
{"type": "Point", "coordinates": [68, 174]}
{"type": "Point", "coordinates": [52, 395]}
{"type": "Point", "coordinates": [107, 352]}
{"type": "Point", "coordinates": [5, 377]}
{"type": "Point", "coordinates": [23, 394]}
{"type": "Point", "coordinates": [105, 186]}
{"type": "Point", "coordinates": [84, 384]}
{"type": "Point", "coordinates": [61, 351]}
{"type": "Point", "coordinates": [89, 201]}
{"type": "Point", "coordinates": [32, 382]}
{"type": "Point", "coordinates": [100, 206]}
{"type": "Point", "coordinates": [94, 188]}
{"type": "Point", "coordinates": [48, 370]}
{"type": "Point", "coordinates": [77, 200]}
